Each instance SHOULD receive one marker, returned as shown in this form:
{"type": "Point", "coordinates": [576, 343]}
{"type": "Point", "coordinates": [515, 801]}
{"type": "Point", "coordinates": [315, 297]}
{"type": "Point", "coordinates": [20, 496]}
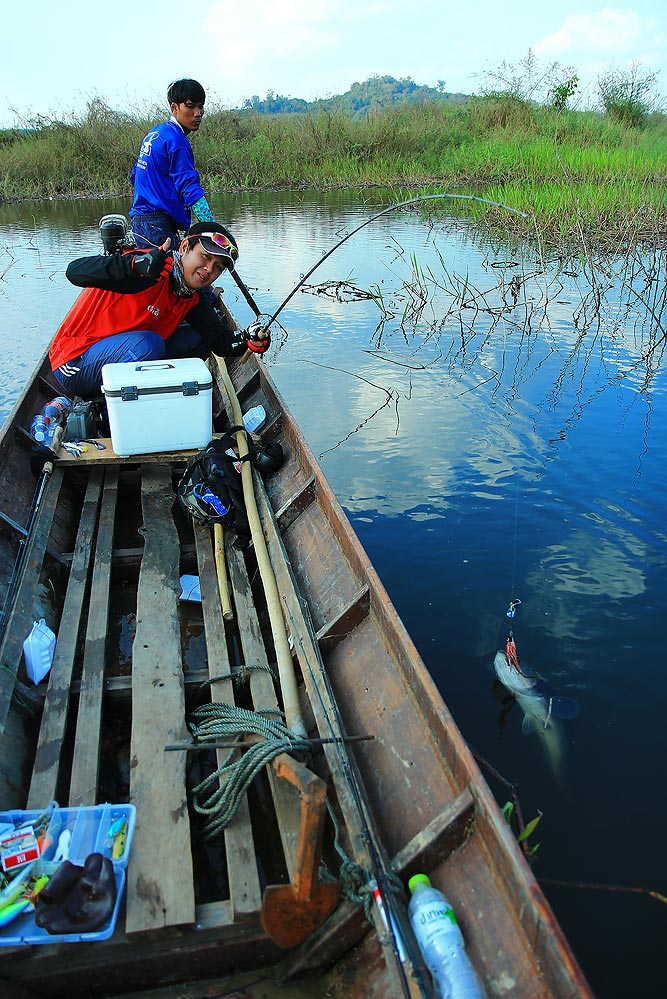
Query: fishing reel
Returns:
{"type": "Point", "coordinates": [116, 234]}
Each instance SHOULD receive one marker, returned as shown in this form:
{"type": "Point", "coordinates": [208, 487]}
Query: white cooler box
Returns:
{"type": "Point", "coordinates": [158, 405]}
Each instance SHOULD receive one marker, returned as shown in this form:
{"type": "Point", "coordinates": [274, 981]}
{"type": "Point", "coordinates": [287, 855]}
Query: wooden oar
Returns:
{"type": "Point", "coordinates": [290, 913]}
{"type": "Point", "coordinates": [286, 673]}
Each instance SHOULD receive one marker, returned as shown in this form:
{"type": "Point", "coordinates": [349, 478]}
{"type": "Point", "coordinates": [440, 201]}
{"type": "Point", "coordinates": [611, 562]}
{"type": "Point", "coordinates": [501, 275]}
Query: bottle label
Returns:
{"type": "Point", "coordinates": [437, 919]}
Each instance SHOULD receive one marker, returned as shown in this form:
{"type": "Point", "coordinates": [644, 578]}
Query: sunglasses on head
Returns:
{"type": "Point", "coordinates": [221, 240]}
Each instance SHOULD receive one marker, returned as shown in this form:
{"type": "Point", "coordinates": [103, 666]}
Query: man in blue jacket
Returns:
{"type": "Point", "coordinates": [167, 188]}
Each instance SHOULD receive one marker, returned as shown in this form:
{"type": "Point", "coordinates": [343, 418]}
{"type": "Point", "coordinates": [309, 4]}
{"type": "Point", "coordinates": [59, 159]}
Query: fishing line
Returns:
{"type": "Point", "coordinates": [514, 602]}
{"type": "Point", "coordinates": [385, 211]}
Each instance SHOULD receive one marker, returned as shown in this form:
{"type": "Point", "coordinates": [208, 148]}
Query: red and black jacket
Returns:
{"type": "Point", "coordinates": [118, 300]}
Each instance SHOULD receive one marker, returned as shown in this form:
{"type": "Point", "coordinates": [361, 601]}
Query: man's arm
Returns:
{"type": "Point", "coordinates": [125, 272]}
{"type": "Point", "coordinates": [218, 334]}
{"type": "Point", "coordinates": [184, 174]}
{"type": "Point", "coordinates": [202, 211]}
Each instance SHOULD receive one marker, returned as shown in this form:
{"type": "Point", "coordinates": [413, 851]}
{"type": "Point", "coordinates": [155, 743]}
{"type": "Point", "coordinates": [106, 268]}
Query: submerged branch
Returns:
{"type": "Point", "coordinates": [594, 886]}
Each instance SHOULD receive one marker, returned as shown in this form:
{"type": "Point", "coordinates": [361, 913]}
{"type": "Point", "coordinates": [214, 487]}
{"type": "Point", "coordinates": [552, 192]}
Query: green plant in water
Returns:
{"type": "Point", "coordinates": [524, 834]}
{"type": "Point", "coordinates": [377, 297]}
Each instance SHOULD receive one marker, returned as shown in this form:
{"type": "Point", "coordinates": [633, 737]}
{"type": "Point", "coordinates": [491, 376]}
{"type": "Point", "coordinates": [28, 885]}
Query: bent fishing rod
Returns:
{"type": "Point", "coordinates": [385, 211]}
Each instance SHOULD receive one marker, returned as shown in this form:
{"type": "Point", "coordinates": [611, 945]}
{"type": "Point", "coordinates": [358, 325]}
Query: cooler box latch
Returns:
{"type": "Point", "coordinates": [129, 393]}
{"type": "Point", "coordinates": [190, 388]}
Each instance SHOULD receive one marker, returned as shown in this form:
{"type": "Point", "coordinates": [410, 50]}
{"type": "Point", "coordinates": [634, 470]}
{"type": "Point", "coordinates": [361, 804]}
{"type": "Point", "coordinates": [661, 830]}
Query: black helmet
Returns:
{"type": "Point", "coordinates": [269, 458]}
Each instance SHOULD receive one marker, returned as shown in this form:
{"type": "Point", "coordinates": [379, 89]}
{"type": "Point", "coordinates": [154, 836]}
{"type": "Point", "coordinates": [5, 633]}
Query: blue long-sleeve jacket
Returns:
{"type": "Point", "coordinates": [164, 175]}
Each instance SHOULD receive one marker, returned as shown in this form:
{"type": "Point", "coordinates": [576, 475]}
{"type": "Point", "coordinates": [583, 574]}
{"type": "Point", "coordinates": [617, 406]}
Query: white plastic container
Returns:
{"type": "Point", "coordinates": [157, 406]}
{"type": "Point", "coordinates": [254, 418]}
{"type": "Point", "coordinates": [38, 649]}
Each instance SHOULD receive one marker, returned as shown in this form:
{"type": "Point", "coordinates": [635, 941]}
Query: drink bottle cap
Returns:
{"type": "Point", "coordinates": [418, 879]}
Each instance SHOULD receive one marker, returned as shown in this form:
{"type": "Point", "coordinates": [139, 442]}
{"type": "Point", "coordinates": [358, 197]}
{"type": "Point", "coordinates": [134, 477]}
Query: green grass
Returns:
{"type": "Point", "coordinates": [576, 173]}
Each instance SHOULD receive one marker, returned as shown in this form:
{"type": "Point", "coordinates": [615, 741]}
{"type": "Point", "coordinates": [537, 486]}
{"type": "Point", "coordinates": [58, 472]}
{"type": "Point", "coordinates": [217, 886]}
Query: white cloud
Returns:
{"type": "Point", "coordinates": [608, 33]}
{"type": "Point", "coordinates": [261, 38]}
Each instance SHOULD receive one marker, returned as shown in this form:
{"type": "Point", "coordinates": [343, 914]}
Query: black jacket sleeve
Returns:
{"type": "Point", "coordinates": [218, 335]}
{"type": "Point", "coordinates": [109, 273]}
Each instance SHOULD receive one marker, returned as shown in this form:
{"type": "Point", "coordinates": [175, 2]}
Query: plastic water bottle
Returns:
{"type": "Point", "coordinates": [54, 414]}
{"type": "Point", "coordinates": [254, 418]}
{"type": "Point", "coordinates": [441, 942]}
{"type": "Point", "coordinates": [58, 410]}
{"type": "Point", "coordinates": [64, 403]}
{"type": "Point", "coordinates": [39, 429]}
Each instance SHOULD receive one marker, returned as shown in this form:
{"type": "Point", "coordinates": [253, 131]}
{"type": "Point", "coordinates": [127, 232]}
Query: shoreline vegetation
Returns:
{"type": "Point", "coordinates": [577, 175]}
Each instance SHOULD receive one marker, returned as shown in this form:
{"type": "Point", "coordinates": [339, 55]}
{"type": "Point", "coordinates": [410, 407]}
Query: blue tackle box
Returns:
{"type": "Point", "coordinates": [106, 829]}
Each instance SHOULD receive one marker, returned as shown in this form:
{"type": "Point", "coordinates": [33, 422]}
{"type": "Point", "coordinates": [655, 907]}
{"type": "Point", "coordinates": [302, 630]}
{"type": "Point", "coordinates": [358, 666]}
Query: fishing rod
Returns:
{"type": "Point", "coordinates": [243, 288]}
{"type": "Point", "coordinates": [362, 225]}
{"type": "Point", "coordinates": [114, 232]}
{"type": "Point", "coordinates": [17, 569]}
{"type": "Point", "coordinates": [401, 945]}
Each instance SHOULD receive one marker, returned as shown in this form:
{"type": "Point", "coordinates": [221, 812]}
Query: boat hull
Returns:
{"type": "Point", "coordinates": [111, 543]}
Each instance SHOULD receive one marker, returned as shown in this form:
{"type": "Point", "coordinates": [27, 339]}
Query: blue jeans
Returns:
{"type": "Point", "coordinates": [153, 228]}
{"type": "Point", "coordinates": [82, 376]}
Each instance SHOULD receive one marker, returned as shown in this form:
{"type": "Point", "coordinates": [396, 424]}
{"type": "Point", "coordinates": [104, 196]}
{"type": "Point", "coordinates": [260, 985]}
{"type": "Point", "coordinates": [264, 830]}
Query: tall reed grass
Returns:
{"type": "Point", "coordinates": [570, 172]}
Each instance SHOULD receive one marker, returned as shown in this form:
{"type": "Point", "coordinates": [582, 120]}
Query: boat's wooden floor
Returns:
{"type": "Point", "coordinates": [163, 920]}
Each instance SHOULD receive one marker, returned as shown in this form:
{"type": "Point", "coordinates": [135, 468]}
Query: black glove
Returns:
{"type": "Point", "coordinates": [258, 338]}
{"type": "Point", "coordinates": [241, 340]}
{"type": "Point", "coordinates": [153, 264]}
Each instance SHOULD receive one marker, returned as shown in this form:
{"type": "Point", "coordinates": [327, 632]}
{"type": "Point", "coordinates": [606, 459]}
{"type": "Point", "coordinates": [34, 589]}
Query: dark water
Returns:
{"type": "Point", "coordinates": [489, 440]}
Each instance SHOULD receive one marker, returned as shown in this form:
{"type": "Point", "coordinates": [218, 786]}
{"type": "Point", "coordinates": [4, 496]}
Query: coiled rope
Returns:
{"type": "Point", "coordinates": [219, 795]}
{"type": "Point", "coordinates": [357, 881]}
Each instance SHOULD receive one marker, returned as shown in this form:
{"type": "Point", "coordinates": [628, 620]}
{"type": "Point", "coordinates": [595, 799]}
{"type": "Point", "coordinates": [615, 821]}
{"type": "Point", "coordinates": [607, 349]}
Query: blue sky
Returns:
{"type": "Point", "coordinates": [56, 56]}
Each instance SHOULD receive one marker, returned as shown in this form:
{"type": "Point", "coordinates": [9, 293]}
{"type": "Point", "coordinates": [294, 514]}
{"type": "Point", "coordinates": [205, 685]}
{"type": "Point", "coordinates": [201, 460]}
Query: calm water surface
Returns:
{"type": "Point", "coordinates": [490, 439]}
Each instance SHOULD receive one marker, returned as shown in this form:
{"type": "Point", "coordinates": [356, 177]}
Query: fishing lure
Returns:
{"type": "Point", "coordinates": [26, 900]}
{"type": "Point", "coordinates": [14, 909]}
{"type": "Point", "coordinates": [117, 836]}
{"type": "Point", "coordinates": [11, 892]}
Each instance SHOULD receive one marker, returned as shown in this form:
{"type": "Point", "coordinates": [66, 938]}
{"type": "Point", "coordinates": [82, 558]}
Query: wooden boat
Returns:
{"type": "Point", "coordinates": [105, 541]}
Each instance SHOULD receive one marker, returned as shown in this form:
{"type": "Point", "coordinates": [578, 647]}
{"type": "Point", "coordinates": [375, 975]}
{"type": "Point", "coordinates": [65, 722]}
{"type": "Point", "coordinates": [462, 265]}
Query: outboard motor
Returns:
{"type": "Point", "coordinates": [116, 233]}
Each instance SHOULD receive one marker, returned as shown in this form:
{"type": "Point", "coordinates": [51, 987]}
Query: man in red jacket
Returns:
{"type": "Point", "coordinates": [134, 305]}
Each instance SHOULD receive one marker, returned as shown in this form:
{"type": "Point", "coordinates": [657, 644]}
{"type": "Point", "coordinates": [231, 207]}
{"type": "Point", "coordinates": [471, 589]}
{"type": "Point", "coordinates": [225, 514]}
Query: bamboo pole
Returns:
{"type": "Point", "coordinates": [286, 673]}
{"type": "Point", "coordinates": [221, 570]}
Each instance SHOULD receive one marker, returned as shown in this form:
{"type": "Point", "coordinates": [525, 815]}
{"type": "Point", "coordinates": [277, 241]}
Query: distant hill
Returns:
{"type": "Point", "coordinates": [377, 92]}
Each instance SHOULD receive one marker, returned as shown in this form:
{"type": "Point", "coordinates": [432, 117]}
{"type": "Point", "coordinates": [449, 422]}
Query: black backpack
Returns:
{"type": "Point", "coordinates": [210, 489]}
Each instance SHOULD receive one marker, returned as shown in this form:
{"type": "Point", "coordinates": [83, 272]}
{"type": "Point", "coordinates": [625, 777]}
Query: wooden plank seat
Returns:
{"type": "Point", "coordinates": [160, 888]}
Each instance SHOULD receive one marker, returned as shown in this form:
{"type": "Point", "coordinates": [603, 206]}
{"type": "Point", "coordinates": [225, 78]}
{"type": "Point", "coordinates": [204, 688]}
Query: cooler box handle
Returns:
{"type": "Point", "coordinates": [159, 365]}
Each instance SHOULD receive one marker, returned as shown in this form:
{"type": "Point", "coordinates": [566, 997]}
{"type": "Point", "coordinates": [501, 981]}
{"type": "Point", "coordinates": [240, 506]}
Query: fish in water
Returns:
{"type": "Point", "coordinates": [542, 706]}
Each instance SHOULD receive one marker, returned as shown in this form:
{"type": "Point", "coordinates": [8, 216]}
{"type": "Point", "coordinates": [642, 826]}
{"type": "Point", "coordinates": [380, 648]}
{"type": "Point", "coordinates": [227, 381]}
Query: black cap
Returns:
{"type": "Point", "coordinates": [216, 240]}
